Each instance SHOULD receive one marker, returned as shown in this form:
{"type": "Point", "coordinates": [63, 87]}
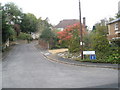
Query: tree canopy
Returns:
{"type": "Point", "coordinates": [11, 15]}
{"type": "Point", "coordinates": [29, 23]}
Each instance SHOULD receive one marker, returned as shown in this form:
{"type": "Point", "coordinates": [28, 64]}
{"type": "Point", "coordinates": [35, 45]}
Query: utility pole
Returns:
{"type": "Point", "coordinates": [81, 39]}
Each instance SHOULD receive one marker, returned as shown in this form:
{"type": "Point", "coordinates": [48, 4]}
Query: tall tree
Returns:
{"type": "Point", "coordinates": [29, 23]}
{"type": "Point", "coordinates": [98, 38]}
{"type": "Point", "coordinates": [42, 25]}
{"type": "Point", "coordinates": [101, 27]}
{"type": "Point", "coordinates": [11, 15]}
{"type": "Point", "coordinates": [100, 44]}
{"type": "Point", "coordinates": [47, 33]}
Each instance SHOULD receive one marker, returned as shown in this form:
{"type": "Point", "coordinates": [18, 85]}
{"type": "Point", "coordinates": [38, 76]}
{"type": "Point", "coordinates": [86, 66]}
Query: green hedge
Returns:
{"type": "Point", "coordinates": [24, 36]}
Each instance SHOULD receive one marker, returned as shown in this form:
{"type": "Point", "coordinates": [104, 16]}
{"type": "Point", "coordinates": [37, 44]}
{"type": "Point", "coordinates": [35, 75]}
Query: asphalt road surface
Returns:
{"type": "Point", "coordinates": [26, 67]}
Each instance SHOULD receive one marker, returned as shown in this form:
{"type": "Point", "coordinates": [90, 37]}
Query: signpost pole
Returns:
{"type": "Point", "coordinates": [81, 40]}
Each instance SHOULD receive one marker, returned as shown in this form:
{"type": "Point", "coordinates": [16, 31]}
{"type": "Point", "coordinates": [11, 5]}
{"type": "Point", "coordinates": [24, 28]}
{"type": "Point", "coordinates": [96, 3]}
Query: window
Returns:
{"type": "Point", "coordinates": [116, 26]}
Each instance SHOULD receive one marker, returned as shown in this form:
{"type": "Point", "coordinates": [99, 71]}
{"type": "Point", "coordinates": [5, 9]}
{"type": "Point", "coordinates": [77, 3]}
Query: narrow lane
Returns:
{"type": "Point", "coordinates": [26, 67]}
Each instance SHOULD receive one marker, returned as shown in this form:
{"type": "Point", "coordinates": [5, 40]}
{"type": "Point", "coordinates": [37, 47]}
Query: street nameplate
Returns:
{"type": "Point", "coordinates": [88, 52]}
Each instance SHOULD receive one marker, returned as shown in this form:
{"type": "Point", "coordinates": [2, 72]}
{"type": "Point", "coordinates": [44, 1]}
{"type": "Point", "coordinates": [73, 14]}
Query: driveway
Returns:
{"type": "Point", "coordinates": [26, 67]}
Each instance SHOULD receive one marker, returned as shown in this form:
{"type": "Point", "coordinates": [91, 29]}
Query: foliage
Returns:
{"type": "Point", "coordinates": [11, 15]}
{"type": "Point", "coordinates": [87, 39]}
{"type": "Point", "coordinates": [5, 31]}
{"type": "Point", "coordinates": [100, 44]}
{"type": "Point", "coordinates": [47, 34]}
{"type": "Point", "coordinates": [24, 36]}
{"type": "Point", "coordinates": [97, 41]}
{"type": "Point", "coordinates": [117, 15]}
{"type": "Point", "coordinates": [114, 58]}
{"type": "Point", "coordinates": [101, 28]}
{"type": "Point", "coordinates": [29, 22]}
{"type": "Point", "coordinates": [12, 34]}
{"type": "Point", "coordinates": [116, 42]}
{"type": "Point", "coordinates": [55, 42]}
{"type": "Point", "coordinates": [98, 38]}
{"type": "Point", "coordinates": [70, 36]}
{"type": "Point", "coordinates": [111, 19]}
{"type": "Point", "coordinates": [40, 25]}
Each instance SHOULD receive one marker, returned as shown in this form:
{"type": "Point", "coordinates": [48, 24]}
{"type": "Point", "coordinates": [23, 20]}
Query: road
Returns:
{"type": "Point", "coordinates": [26, 67]}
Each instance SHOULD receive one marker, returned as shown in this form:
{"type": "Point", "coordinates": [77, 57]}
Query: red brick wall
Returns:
{"type": "Point", "coordinates": [43, 44]}
{"type": "Point", "coordinates": [111, 30]}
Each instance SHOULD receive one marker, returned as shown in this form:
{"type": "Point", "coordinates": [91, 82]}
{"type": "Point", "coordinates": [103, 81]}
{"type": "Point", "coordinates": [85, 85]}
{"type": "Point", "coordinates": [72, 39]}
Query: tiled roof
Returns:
{"type": "Point", "coordinates": [66, 22]}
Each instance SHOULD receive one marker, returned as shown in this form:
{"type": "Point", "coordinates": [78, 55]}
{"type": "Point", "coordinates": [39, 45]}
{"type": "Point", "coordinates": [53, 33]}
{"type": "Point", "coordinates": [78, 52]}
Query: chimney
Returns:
{"type": "Point", "coordinates": [84, 21]}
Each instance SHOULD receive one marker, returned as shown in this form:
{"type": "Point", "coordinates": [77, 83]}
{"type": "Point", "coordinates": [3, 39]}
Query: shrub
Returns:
{"type": "Point", "coordinates": [12, 35]}
{"type": "Point", "coordinates": [114, 58]}
{"type": "Point", "coordinates": [24, 36]}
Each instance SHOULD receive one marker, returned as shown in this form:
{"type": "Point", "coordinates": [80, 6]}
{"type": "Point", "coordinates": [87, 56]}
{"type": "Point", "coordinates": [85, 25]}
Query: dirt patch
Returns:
{"type": "Point", "coordinates": [58, 50]}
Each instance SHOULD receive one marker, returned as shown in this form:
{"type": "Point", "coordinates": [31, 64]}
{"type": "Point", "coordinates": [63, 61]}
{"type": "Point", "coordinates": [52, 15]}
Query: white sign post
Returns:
{"type": "Point", "coordinates": [91, 53]}
{"type": "Point", "coordinates": [88, 52]}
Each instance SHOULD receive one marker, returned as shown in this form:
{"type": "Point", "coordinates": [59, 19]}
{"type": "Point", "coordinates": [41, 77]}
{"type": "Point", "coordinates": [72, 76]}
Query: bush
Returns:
{"type": "Point", "coordinates": [24, 36]}
{"type": "Point", "coordinates": [12, 35]}
{"type": "Point", "coordinates": [114, 58]}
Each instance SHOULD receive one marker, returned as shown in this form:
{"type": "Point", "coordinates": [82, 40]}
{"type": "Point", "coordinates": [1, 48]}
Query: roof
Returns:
{"type": "Point", "coordinates": [116, 20]}
{"type": "Point", "coordinates": [66, 22]}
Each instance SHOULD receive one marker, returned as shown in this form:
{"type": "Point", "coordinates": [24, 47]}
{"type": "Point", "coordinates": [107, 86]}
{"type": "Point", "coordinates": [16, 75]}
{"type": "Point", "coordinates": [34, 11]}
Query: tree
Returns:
{"type": "Point", "coordinates": [88, 41]}
{"type": "Point", "coordinates": [101, 27]}
{"type": "Point", "coordinates": [11, 15]}
{"type": "Point", "coordinates": [46, 30]}
{"type": "Point", "coordinates": [40, 26]}
{"type": "Point", "coordinates": [99, 41]}
{"type": "Point", "coordinates": [117, 15]}
{"type": "Point", "coordinates": [29, 23]}
{"type": "Point", "coordinates": [111, 19]}
{"type": "Point", "coordinates": [70, 36]}
{"type": "Point", "coordinates": [101, 45]}
{"type": "Point", "coordinates": [47, 35]}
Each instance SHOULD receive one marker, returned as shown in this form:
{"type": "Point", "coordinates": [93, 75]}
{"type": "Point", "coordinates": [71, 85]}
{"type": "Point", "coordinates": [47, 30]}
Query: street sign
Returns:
{"type": "Point", "coordinates": [88, 52]}
{"type": "Point", "coordinates": [92, 57]}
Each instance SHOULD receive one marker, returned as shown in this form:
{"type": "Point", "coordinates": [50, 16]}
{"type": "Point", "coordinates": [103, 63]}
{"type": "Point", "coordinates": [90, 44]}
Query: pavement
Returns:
{"type": "Point", "coordinates": [56, 58]}
{"type": "Point", "coordinates": [29, 67]}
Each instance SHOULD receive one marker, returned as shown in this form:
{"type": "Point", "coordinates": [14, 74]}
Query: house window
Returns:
{"type": "Point", "coordinates": [116, 26]}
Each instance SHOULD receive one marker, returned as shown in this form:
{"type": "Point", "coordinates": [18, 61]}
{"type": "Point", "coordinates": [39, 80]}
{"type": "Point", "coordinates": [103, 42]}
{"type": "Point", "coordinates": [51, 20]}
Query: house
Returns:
{"type": "Point", "coordinates": [114, 29]}
{"type": "Point", "coordinates": [35, 35]}
{"type": "Point", "coordinates": [66, 22]}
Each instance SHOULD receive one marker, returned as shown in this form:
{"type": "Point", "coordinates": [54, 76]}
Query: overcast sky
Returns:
{"type": "Point", "coordinates": [57, 10]}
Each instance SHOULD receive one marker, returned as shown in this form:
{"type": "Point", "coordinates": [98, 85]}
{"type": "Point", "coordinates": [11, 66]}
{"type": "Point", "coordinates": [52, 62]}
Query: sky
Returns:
{"type": "Point", "coordinates": [57, 10]}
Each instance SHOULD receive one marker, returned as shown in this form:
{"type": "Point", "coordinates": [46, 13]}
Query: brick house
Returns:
{"type": "Point", "coordinates": [114, 29]}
